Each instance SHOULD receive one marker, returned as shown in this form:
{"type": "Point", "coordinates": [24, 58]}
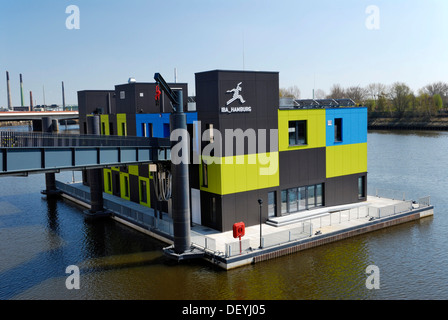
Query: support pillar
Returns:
{"type": "Point", "coordinates": [95, 177]}
{"type": "Point", "coordinates": [50, 185]}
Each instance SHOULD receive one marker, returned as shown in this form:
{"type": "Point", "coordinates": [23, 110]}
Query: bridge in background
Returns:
{"type": "Point", "coordinates": [37, 115]}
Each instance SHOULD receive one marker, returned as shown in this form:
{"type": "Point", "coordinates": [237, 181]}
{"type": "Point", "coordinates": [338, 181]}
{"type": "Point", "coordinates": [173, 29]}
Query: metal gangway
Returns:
{"type": "Point", "coordinates": [25, 152]}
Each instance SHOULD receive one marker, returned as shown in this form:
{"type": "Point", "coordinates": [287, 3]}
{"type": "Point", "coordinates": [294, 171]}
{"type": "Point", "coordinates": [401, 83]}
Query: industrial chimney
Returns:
{"type": "Point", "coordinates": [31, 101]}
{"type": "Point", "coordinates": [63, 96]}
{"type": "Point", "coordinates": [9, 91]}
{"type": "Point", "coordinates": [21, 90]}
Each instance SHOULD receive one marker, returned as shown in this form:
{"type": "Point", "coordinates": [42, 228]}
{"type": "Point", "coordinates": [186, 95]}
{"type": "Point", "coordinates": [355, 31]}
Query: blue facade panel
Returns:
{"type": "Point", "coordinates": [157, 124]}
{"type": "Point", "coordinates": [354, 125]}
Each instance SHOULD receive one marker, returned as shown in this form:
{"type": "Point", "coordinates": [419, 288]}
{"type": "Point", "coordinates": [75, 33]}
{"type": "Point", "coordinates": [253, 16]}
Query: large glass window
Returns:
{"type": "Point", "coordinates": [302, 198]}
{"type": "Point", "coordinates": [292, 200]}
{"type": "Point", "coordinates": [297, 133]}
{"type": "Point", "coordinates": [319, 195]}
{"type": "Point", "coordinates": [284, 202]}
{"type": "Point", "coordinates": [311, 197]}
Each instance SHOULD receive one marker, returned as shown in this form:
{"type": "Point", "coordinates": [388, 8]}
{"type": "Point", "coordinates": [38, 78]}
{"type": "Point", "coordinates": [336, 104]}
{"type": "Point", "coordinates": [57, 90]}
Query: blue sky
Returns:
{"type": "Point", "coordinates": [312, 44]}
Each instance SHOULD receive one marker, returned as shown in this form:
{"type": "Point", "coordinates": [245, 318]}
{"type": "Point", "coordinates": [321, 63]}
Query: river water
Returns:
{"type": "Point", "coordinates": [39, 239]}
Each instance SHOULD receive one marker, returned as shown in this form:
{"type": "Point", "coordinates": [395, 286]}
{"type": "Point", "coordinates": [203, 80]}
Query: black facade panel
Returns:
{"type": "Point", "coordinates": [244, 206]}
{"type": "Point", "coordinates": [259, 91]}
{"type": "Point", "coordinates": [143, 170]}
{"type": "Point", "coordinates": [343, 190]}
{"type": "Point", "coordinates": [134, 188]}
{"type": "Point", "coordinates": [131, 125]}
{"type": "Point", "coordinates": [302, 167]}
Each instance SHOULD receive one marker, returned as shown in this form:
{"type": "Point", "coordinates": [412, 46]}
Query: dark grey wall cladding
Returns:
{"type": "Point", "coordinates": [302, 167]}
{"type": "Point", "coordinates": [259, 91]}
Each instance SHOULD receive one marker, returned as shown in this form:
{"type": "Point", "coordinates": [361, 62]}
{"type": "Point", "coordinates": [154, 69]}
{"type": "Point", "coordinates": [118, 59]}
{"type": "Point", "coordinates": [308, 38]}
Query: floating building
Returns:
{"type": "Point", "coordinates": [245, 147]}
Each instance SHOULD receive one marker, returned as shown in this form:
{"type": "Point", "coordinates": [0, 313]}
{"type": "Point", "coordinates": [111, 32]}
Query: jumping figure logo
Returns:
{"type": "Point", "coordinates": [236, 94]}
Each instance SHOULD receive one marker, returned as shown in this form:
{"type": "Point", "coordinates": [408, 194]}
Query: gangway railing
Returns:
{"type": "Point", "coordinates": [23, 152]}
{"type": "Point", "coordinates": [10, 139]}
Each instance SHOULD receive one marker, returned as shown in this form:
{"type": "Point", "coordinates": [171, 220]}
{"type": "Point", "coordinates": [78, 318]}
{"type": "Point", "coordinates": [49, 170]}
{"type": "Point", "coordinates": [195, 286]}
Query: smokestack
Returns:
{"type": "Point", "coordinates": [31, 101]}
{"type": "Point", "coordinates": [21, 90]}
{"type": "Point", "coordinates": [63, 97]}
{"type": "Point", "coordinates": [9, 91]}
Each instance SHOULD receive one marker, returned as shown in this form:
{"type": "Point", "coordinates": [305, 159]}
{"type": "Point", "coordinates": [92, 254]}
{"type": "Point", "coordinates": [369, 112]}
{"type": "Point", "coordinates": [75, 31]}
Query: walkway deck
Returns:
{"type": "Point", "coordinates": [328, 224]}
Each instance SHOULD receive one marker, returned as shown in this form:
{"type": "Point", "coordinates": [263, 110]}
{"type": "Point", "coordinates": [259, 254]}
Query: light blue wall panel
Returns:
{"type": "Point", "coordinates": [354, 125]}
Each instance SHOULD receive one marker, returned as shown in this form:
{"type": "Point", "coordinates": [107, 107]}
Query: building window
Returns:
{"type": "Point", "coordinates": [150, 130]}
{"type": "Point", "coordinates": [361, 187]}
{"type": "Point", "coordinates": [122, 95]}
{"type": "Point", "coordinates": [311, 197]}
{"type": "Point", "coordinates": [143, 192]}
{"type": "Point", "coordinates": [144, 132]}
{"type": "Point", "coordinates": [111, 129]}
{"type": "Point", "coordinates": [319, 195]}
{"type": "Point", "coordinates": [271, 203]}
{"type": "Point", "coordinates": [109, 181]}
{"type": "Point", "coordinates": [126, 186]}
{"type": "Point", "coordinates": [338, 130]}
{"type": "Point", "coordinates": [302, 198]}
{"type": "Point", "coordinates": [284, 202]}
{"type": "Point", "coordinates": [123, 129]}
{"type": "Point", "coordinates": [297, 133]}
{"type": "Point", "coordinates": [292, 200]}
{"type": "Point", "coordinates": [204, 174]}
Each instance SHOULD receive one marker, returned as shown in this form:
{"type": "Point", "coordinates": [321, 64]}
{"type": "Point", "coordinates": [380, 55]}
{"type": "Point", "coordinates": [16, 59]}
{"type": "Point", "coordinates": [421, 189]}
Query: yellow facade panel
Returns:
{"type": "Point", "coordinates": [315, 127]}
{"type": "Point", "coordinates": [121, 124]}
{"type": "Point", "coordinates": [346, 159]}
{"type": "Point", "coordinates": [242, 173]}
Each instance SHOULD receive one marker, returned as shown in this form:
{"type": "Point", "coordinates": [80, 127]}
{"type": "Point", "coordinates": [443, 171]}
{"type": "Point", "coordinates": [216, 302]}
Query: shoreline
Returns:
{"type": "Point", "coordinates": [434, 124]}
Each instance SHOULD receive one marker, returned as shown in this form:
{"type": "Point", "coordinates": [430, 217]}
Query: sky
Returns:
{"type": "Point", "coordinates": [312, 44]}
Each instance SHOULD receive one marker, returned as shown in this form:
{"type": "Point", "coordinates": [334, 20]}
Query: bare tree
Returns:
{"type": "Point", "coordinates": [356, 93]}
{"type": "Point", "coordinates": [440, 88]}
{"type": "Point", "coordinates": [336, 92]}
{"type": "Point", "coordinates": [320, 94]}
{"type": "Point", "coordinates": [375, 90]}
{"type": "Point", "coordinates": [290, 92]}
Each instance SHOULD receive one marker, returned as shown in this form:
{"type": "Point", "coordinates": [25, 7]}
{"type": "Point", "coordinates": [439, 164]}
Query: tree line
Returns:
{"type": "Point", "coordinates": [396, 100]}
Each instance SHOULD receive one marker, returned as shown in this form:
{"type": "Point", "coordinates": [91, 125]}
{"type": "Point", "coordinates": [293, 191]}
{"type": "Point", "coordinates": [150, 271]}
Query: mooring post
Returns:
{"type": "Point", "coordinates": [94, 175]}
{"type": "Point", "coordinates": [50, 177]}
{"type": "Point", "coordinates": [181, 190]}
